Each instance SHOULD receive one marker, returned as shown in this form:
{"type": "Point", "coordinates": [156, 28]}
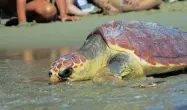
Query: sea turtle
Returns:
{"type": "Point", "coordinates": [120, 50]}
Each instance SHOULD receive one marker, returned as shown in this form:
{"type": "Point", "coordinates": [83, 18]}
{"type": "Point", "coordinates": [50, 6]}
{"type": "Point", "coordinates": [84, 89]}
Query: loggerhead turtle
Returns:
{"type": "Point", "coordinates": [119, 50]}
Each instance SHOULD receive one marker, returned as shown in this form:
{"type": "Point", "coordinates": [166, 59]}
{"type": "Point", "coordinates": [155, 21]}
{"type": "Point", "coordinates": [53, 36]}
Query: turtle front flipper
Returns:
{"type": "Point", "coordinates": [106, 76]}
{"type": "Point", "coordinates": [120, 68]}
{"type": "Point", "coordinates": [114, 72]}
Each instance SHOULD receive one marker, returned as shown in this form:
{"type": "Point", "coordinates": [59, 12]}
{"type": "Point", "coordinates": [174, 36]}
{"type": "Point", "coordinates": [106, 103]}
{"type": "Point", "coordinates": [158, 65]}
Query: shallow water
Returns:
{"type": "Point", "coordinates": [24, 85]}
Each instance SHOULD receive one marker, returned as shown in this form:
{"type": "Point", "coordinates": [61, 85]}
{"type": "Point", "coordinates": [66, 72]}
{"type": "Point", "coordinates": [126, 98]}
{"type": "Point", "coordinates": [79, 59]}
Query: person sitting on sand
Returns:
{"type": "Point", "coordinates": [115, 6]}
{"type": "Point", "coordinates": [38, 10]}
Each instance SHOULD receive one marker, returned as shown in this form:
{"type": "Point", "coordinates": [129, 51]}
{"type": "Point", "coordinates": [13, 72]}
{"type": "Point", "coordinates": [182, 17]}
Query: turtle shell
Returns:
{"type": "Point", "coordinates": [152, 42]}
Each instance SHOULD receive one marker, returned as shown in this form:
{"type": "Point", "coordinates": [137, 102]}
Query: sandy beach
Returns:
{"type": "Point", "coordinates": [24, 71]}
{"type": "Point", "coordinates": [73, 34]}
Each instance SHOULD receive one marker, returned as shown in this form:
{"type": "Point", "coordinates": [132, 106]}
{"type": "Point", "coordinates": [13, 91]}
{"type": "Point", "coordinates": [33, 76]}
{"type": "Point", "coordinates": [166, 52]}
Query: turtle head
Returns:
{"type": "Point", "coordinates": [68, 67]}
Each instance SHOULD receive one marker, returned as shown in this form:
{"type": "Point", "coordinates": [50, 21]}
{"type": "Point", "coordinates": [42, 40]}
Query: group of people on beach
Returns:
{"type": "Point", "coordinates": [70, 10]}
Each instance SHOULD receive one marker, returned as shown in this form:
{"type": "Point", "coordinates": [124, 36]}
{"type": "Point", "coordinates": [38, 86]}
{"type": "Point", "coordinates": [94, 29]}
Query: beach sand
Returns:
{"type": "Point", "coordinates": [73, 34]}
{"type": "Point", "coordinates": [24, 74]}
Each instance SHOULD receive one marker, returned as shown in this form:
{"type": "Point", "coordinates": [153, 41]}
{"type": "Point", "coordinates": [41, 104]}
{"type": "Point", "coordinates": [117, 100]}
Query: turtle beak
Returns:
{"type": "Point", "coordinates": [55, 78]}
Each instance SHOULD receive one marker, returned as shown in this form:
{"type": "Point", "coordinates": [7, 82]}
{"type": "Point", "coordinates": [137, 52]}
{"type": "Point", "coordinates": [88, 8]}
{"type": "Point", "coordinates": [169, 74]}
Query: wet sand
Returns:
{"type": "Point", "coordinates": [24, 86]}
{"type": "Point", "coordinates": [73, 34]}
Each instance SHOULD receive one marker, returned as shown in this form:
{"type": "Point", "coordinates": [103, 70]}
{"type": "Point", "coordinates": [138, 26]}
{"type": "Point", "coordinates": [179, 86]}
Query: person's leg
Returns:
{"type": "Point", "coordinates": [106, 6]}
{"type": "Point", "coordinates": [144, 5]}
{"type": "Point", "coordinates": [72, 9]}
{"type": "Point", "coordinates": [148, 4]}
{"type": "Point", "coordinates": [43, 10]}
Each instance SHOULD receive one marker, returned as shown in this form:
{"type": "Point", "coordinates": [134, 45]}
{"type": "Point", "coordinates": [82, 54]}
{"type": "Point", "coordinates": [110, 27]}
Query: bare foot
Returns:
{"type": "Point", "coordinates": [109, 9]}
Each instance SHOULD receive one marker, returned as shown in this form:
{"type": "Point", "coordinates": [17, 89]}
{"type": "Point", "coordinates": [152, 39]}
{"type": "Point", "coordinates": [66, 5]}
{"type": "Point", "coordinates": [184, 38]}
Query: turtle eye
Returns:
{"type": "Point", "coordinates": [66, 73]}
